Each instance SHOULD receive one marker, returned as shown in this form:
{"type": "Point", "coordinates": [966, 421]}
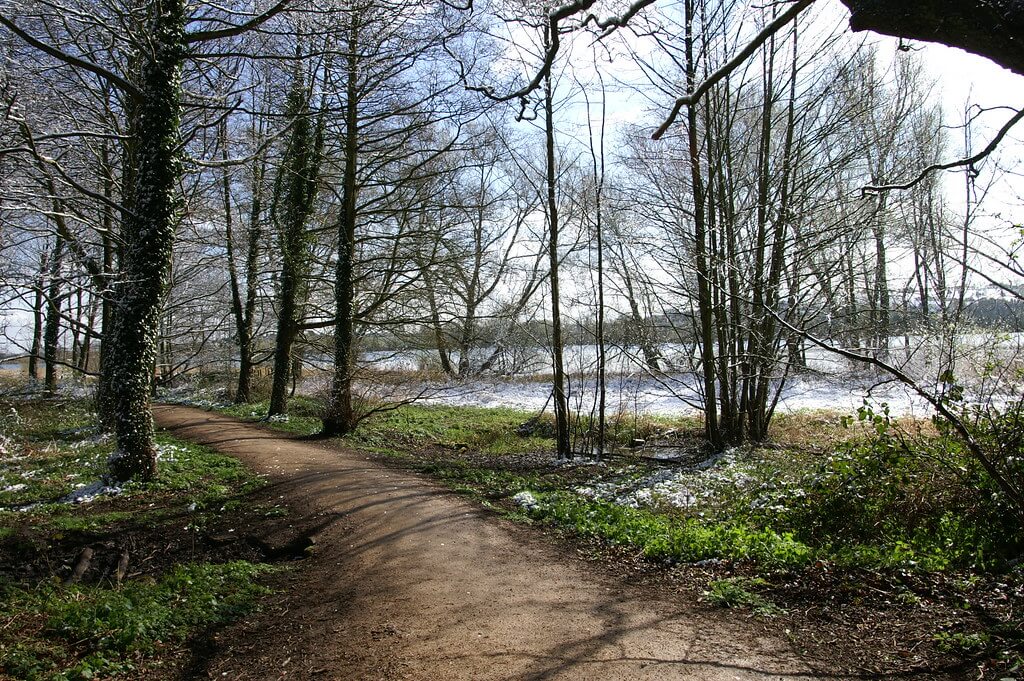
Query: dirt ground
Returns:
{"type": "Point", "coordinates": [407, 581]}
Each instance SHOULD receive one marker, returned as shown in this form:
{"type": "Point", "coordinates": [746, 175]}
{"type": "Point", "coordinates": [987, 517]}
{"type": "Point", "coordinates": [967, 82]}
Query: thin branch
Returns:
{"type": "Point", "coordinates": [608, 26]}
{"type": "Point", "coordinates": [203, 36]}
{"type": "Point", "coordinates": [969, 162]}
{"type": "Point", "coordinates": [107, 75]}
{"type": "Point", "coordinates": [695, 96]}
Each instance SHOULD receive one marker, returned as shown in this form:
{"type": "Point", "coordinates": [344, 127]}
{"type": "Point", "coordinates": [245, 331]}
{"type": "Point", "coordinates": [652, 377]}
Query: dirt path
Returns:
{"type": "Point", "coordinates": [407, 581]}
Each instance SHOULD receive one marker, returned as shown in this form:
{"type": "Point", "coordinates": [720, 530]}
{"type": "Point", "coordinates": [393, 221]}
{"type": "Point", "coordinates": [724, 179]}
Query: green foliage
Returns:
{"type": "Point", "coordinates": [962, 644]}
{"type": "Point", "coordinates": [485, 480]}
{"type": "Point", "coordinates": [667, 538]}
{"type": "Point", "coordinates": [90, 631]}
{"type": "Point", "coordinates": [1000, 432]}
{"type": "Point", "coordinates": [888, 501]}
{"type": "Point", "coordinates": [742, 592]}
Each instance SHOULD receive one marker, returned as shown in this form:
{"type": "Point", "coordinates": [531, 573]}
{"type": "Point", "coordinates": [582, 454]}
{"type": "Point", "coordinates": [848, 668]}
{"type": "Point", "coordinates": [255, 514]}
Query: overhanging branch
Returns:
{"type": "Point", "coordinates": [968, 162]}
{"type": "Point", "coordinates": [107, 75]}
{"type": "Point", "coordinates": [760, 39]}
{"type": "Point", "coordinates": [203, 36]}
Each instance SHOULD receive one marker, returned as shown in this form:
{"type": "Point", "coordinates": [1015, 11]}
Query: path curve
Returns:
{"type": "Point", "coordinates": [407, 581]}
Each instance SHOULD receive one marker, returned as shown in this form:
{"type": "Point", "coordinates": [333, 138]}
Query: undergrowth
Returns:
{"type": "Point", "coordinates": [50, 452]}
{"type": "Point", "coordinates": [82, 632]}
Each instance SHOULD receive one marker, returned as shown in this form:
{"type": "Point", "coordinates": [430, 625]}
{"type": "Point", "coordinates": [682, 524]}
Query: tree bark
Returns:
{"type": "Point", "coordinates": [704, 298]}
{"type": "Point", "coordinates": [51, 333]}
{"type": "Point", "coordinates": [294, 195]}
{"type": "Point", "coordinates": [563, 446]}
{"type": "Point", "coordinates": [149, 237]}
{"type": "Point", "coordinates": [38, 303]}
{"type": "Point", "coordinates": [341, 417]}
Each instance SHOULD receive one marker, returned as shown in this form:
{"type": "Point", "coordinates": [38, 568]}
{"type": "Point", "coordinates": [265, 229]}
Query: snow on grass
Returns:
{"type": "Point", "coordinates": [86, 493]}
{"type": "Point", "coordinates": [667, 396]}
{"type": "Point", "coordinates": [718, 475]}
{"type": "Point", "coordinates": [525, 500]}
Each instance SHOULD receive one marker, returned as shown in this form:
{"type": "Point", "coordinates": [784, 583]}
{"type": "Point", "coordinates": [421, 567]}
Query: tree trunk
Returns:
{"type": "Point", "coordinates": [149, 239]}
{"type": "Point", "coordinates": [51, 333]}
{"type": "Point", "coordinates": [704, 298]}
{"type": "Point", "coordinates": [341, 417]}
{"type": "Point", "coordinates": [242, 310]}
{"type": "Point", "coordinates": [563, 447]}
{"type": "Point", "coordinates": [105, 406]}
{"type": "Point", "coordinates": [35, 351]}
{"type": "Point", "coordinates": [293, 201]}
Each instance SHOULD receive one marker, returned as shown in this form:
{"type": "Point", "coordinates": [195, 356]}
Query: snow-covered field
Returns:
{"type": "Point", "coordinates": [832, 383]}
{"type": "Point", "coordinates": [668, 396]}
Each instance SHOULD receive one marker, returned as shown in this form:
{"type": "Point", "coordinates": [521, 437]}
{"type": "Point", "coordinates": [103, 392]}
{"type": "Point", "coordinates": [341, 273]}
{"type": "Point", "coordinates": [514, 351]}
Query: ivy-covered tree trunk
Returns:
{"type": "Point", "coordinates": [294, 193]}
{"type": "Point", "coordinates": [148, 233]}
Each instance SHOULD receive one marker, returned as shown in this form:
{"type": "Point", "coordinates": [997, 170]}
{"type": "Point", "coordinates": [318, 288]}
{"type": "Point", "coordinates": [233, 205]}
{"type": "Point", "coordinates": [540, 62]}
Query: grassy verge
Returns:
{"type": "Point", "coordinates": [151, 584]}
{"type": "Point", "coordinates": [87, 631]}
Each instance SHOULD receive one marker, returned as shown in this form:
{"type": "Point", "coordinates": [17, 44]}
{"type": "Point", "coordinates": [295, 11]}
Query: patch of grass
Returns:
{"type": "Point", "coordinates": [962, 644]}
{"type": "Point", "coordinates": [485, 481]}
{"type": "Point", "coordinates": [82, 632]}
{"type": "Point", "coordinates": [303, 416]}
{"type": "Point", "coordinates": [188, 475]}
{"type": "Point", "coordinates": [484, 430]}
{"type": "Point", "coordinates": [742, 592]}
{"type": "Point", "coordinates": [667, 538]}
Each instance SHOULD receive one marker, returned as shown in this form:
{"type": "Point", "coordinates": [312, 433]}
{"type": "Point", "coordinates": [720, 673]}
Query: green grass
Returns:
{"type": "Point", "coordinates": [60, 633]}
{"type": "Point", "coordinates": [82, 632]}
{"type": "Point", "coordinates": [303, 415]}
{"type": "Point", "coordinates": [484, 430]}
{"type": "Point", "coordinates": [187, 474]}
{"type": "Point", "coordinates": [664, 537]}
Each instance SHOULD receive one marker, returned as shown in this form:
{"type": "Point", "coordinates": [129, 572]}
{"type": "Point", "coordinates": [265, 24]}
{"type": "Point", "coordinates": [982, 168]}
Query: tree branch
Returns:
{"type": "Point", "coordinates": [107, 75]}
{"type": "Point", "coordinates": [968, 162]}
{"type": "Point", "coordinates": [203, 36]}
{"type": "Point", "coordinates": [767, 32]}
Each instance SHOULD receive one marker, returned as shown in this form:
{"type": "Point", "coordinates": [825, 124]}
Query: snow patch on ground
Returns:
{"type": "Point", "coordinates": [672, 487]}
{"type": "Point", "coordinates": [525, 500]}
{"type": "Point", "coordinates": [85, 494]}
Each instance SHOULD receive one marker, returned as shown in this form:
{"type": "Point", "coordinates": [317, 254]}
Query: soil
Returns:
{"type": "Point", "coordinates": [400, 579]}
